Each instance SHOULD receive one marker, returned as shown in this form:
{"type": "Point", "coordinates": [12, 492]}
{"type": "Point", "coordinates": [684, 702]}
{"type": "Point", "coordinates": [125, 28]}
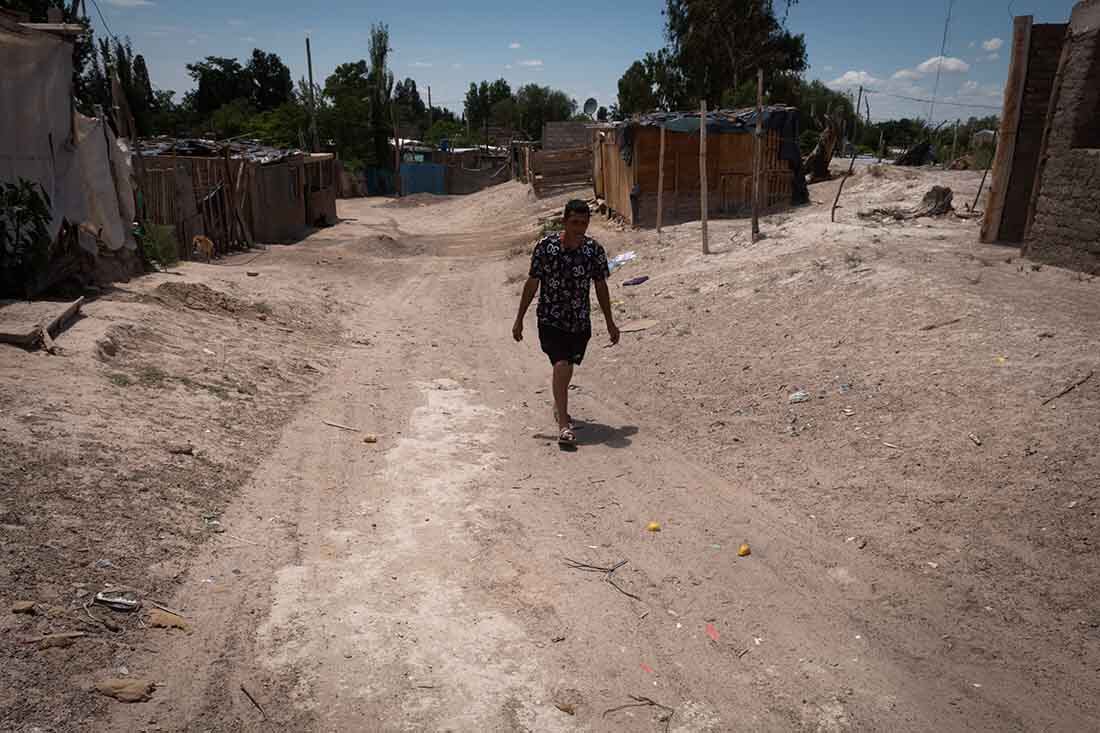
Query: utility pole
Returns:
{"type": "Point", "coordinates": [312, 102]}
{"type": "Point", "coordinates": [954, 141]}
{"type": "Point", "coordinates": [757, 157]}
{"type": "Point", "coordinates": [430, 112]}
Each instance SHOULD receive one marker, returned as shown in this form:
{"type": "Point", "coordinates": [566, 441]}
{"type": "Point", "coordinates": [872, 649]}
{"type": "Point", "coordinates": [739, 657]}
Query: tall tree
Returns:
{"type": "Point", "coordinates": [380, 86]}
{"type": "Point", "coordinates": [270, 80]}
{"type": "Point", "coordinates": [536, 105]}
{"type": "Point", "coordinates": [347, 119]}
{"type": "Point", "coordinates": [636, 93]}
{"type": "Point", "coordinates": [412, 113]}
{"type": "Point", "coordinates": [218, 81]}
{"type": "Point", "coordinates": [716, 44]}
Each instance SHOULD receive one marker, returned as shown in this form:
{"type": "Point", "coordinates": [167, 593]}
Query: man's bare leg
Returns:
{"type": "Point", "coordinates": [563, 374]}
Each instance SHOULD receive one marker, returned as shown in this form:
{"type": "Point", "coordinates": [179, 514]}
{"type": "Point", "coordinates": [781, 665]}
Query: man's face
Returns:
{"type": "Point", "coordinates": [576, 225]}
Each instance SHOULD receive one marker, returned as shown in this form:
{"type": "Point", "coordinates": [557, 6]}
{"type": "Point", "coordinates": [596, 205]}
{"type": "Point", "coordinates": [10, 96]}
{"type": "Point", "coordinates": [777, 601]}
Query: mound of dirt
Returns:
{"type": "Point", "coordinates": [383, 245]}
{"type": "Point", "coordinates": [416, 199]}
{"type": "Point", "coordinates": [197, 296]}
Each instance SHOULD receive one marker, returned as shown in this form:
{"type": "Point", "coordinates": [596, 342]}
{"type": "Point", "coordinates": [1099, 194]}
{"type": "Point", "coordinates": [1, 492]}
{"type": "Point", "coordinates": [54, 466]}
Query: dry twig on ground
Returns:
{"type": "Point", "coordinates": [645, 702]}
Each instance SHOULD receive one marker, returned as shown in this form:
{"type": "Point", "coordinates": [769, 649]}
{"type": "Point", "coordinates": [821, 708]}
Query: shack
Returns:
{"type": "Point", "coordinates": [1050, 143]}
{"type": "Point", "coordinates": [236, 193]}
{"type": "Point", "coordinates": [626, 169]}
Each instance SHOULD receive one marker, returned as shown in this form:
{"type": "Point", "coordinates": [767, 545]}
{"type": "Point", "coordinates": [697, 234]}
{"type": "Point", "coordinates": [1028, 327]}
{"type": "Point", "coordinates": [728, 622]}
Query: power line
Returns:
{"type": "Point", "coordinates": [104, 21]}
{"type": "Point", "coordinates": [939, 65]}
{"type": "Point", "coordinates": [932, 101]}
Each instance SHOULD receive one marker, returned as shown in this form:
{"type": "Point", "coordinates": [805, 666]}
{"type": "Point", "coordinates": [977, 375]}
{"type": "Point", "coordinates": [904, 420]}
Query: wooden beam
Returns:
{"type": "Point", "coordinates": [756, 155]}
{"type": "Point", "coordinates": [703, 172]}
{"type": "Point", "coordinates": [851, 165]}
{"type": "Point", "coordinates": [661, 185]}
{"type": "Point", "coordinates": [1008, 131]}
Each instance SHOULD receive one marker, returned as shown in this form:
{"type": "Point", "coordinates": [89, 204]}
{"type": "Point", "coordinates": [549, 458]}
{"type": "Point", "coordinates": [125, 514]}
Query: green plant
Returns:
{"type": "Point", "coordinates": [120, 380]}
{"type": "Point", "coordinates": [152, 376]}
{"type": "Point", "coordinates": [158, 242]}
{"type": "Point", "coordinates": [24, 234]}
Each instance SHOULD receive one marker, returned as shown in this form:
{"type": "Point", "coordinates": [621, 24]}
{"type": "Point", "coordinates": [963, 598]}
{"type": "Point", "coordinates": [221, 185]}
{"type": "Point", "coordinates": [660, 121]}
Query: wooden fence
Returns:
{"type": "Point", "coordinates": [551, 170]}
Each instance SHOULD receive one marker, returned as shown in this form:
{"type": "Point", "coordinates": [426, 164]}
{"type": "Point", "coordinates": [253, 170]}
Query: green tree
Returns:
{"type": "Point", "coordinates": [218, 81]}
{"type": "Point", "coordinates": [270, 80]}
{"type": "Point", "coordinates": [412, 113]}
{"type": "Point", "coordinates": [636, 93]}
{"type": "Point", "coordinates": [380, 88]}
{"type": "Point", "coordinates": [347, 117]}
{"type": "Point", "coordinates": [716, 44]}
{"type": "Point", "coordinates": [536, 105]}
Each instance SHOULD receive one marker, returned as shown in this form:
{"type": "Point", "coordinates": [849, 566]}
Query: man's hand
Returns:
{"type": "Point", "coordinates": [517, 331]}
{"type": "Point", "coordinates": [613, 332]}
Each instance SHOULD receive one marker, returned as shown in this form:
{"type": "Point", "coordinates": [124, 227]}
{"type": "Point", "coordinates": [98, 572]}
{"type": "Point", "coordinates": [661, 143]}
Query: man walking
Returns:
{"type": "Point", "coordinates": [562, 266]}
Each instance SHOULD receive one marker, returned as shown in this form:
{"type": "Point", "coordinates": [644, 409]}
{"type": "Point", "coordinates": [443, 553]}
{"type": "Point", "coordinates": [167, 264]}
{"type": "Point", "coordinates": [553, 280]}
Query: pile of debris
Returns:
{"type": "Point", "coordinates": [936, 202]}
{"type": "Point", "coordinates": [251, 150]}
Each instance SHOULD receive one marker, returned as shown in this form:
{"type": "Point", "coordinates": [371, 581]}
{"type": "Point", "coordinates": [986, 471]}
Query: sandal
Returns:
{"type": "Point", "coordinates": [567, 437]}
{"type": "Point", "coordinates": [568, 420]}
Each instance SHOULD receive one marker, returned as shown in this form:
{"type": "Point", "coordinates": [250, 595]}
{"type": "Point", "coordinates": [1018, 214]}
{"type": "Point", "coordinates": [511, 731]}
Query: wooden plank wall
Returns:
{"type": "Point", "coordinates": [729, 175]}
{"type": "Point", "coordinates": [556, 169]}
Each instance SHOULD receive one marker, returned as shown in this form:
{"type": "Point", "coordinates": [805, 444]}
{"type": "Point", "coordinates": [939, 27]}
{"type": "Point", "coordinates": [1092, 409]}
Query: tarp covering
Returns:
{"type": "Point", "coordinates": [75, 159]}
{"type": "Point", "coordinates": [780, 118]}
{"type": "Point", "coordinates": [251, 150]}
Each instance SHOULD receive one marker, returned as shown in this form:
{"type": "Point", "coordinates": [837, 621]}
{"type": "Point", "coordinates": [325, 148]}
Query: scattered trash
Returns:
{"type": "Point", "coordinates": [620, 259]}
{"type": "Point", "coordinates": [126, 690]}
{"type": "Point", "coordinates": [848, 411]}
{"type": "Point", "coordinates": [341, 427]}
{"type": "Point", "coordinates": [653, 527]}
{"type": "Point", "coordinates": [253, 700]}
{"type": "Point", "coordinates": [712, 632]}
{"type": "Point", "coordinates": [104, 563]}
{"type": "Point", "coordinates": [932, 565]}
{"type": "Point", "coordinates": [252, 273]}
{"type": "Point", "coordinates": [161, 619]}
{"type": "Point", "coordinates": [1002, 359]}
{"type": "Point", "coordinates": [557, 640]}
{"type": "Point", "coordinates": [182, 449]}
{"type": "Point", "coordinates": [213, 523]}
{"type": "Point", "coordinates": [566, 708]}
{"type": "Point", "coordinates": [744, 550]}
{"type": "Point", "coordinates": [636, 280]}
{"type": "Point", "coordinates": [25, 607]}
{"type": "Point", "coordinates": [118, 600]}
{"type": "Point", "coordinates": [647, 669]}
{"type": "Point", "coordinates": [800, 396]}
{"type": "Point", "coordinates": [891, 445]}
{"type": "Point", "coordinates": [974, 439]}
{"type": "Point", "coordinates": [370, 438]}
{"type": "Point", "coordinates": [940, 324]}
{"type": "Point", "coordinates": [845, 388]}
{"type": "Point", "coordinates": [645, 702]}
{"type": "Point", "coordinates": [639, 325]}
{"type": "Point", "coordinates": [61, 640]}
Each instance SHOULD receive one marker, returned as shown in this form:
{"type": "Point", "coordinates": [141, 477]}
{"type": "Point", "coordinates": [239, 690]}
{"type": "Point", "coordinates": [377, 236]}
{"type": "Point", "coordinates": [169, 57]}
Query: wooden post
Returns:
{"type": "Point", "coordinates": [881, 140]}
{"type": "Point", "coordinates": [703, 171]}
{"type": "Point", "coordinates": [851, 165]}
{"type": "Point", "coordinates": [312, 102]}
{"type": "Point", "coordinates": [756, 156]}
{"type": "Point", "coordinates": [954, 141]}
{"type": "Point", "coordinates": [396, 151]}
{"type": "Point", "coordinates": [661, 185]}
{"type": "Point", "coordinates": [1007, 132]}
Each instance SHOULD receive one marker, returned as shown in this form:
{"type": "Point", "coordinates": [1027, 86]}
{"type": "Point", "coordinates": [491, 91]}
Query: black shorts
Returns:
{"type": "Point", "coordinates": [562, 345]}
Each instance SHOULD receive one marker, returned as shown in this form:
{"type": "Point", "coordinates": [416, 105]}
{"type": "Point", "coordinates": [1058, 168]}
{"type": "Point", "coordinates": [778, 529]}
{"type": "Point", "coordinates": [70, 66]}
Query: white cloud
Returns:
{"type": "Point", "coordinates": [531, 62]}
{"type": "Point", "coordinates": [421, 65]}
{"type": "Point", "coordinates": [508, 66]}
{"type": "Point", "coordinates": [973, 44]}
{"type": "Point", "coordinates": [514, 45]}
{"type": "Point", "coordinates": [993, 57]}
{"type": "Point", "coordinates": [236, 21]}
{"type": "Point", "coordinates": [249, 39]}
{"type": "Point", "coordinates": [853, 79]}
{"type": "Point", "coordinates": [828, 68]}
{"type": "Point", "coordinates": [946, 63]}
{"type": "Point", "coordinates": [993, 44]}
{"type": "Point", "coordinates": [456, 66]}
{"type": "Point", "coordinates": [904, 74]}
{"type": "Point", "coordinates": [130, 3]}
{"type": "Point", "coordinates": [969, 87]}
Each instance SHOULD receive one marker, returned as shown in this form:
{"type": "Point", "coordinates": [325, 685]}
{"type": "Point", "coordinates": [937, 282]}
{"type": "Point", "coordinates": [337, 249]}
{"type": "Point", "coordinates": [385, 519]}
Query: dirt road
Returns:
{"type": "Point", "coordinates": [422, 582]}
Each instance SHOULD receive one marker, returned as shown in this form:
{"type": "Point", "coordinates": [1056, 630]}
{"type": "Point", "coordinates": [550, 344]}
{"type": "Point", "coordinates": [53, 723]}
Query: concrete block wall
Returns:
{"type": "Point", "coordinates": [562, 135]}
{"type": "Point", "coordinates": [1065, 229]}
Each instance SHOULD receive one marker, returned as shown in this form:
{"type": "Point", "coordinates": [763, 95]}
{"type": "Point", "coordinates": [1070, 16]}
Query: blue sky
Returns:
{"type": "Point", "coordinates": [583, 47]}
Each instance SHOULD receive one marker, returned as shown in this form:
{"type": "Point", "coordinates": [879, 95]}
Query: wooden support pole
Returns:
{"type": "Point", "coordinates": [703, 171]}
{"type": "Point", "coordinates": [756, 154]}
{"type": "Point", "coordinates": [1011, 112]}
{"type": "Point", "coordinates": [661, 185]}
{"type": "Point", "coordinates": [851, 166]}
{"type": "Point", "coordinates": [954, 141]}
{"type": "Point", "coordinates": [312, 102]}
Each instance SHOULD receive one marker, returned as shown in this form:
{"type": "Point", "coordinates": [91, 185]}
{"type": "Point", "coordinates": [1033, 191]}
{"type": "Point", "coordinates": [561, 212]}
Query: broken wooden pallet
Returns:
{"type": "Point", "coordinates": [35, 323]}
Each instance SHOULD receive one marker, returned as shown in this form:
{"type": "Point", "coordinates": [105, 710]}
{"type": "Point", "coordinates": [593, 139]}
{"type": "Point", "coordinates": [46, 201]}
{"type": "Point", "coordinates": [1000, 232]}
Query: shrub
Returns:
{"type": "Point", "coordinates": [24, 235]}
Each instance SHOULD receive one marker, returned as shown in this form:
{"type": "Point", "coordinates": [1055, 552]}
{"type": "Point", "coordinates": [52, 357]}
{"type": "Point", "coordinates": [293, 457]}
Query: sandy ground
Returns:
{"type": "Point", "coordinates": [923, 529]}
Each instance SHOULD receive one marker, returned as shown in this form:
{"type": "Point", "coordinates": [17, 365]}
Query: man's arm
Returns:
{"type": "Point", "coordinates": [529, 289]}
{"type": "Point", "coordinates": [604, 298]}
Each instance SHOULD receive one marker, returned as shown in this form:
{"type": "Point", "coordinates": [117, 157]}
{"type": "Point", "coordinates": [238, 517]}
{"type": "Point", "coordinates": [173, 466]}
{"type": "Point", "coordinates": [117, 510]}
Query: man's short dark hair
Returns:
{"type": "Point", "coordinates": [577, 206]}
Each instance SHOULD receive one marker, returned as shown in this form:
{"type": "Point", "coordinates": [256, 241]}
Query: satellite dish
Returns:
{"type": "Point", "coordinates": [590, 106]}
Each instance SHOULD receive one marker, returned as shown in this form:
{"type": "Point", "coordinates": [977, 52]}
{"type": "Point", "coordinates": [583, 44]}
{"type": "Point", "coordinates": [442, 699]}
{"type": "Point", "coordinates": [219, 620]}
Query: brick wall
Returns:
{"type": "Point", "coordinates": [561, 135]}
{"type": "Point", "coordinates": [1066, 226]}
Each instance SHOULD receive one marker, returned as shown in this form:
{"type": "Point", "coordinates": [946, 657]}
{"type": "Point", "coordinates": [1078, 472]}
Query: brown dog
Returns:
{"type": "Point", "coordinates": [204, 246]}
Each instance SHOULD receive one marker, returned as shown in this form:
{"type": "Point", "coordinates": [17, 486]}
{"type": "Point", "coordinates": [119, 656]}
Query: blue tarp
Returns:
{"type": "Point", "coordinates": [423, 178]}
